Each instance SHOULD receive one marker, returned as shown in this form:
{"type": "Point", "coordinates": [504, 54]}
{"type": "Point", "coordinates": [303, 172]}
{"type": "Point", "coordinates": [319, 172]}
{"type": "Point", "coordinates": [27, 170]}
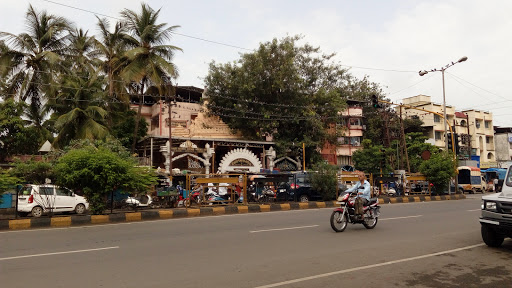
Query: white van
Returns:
{"type": "Point", "coordinates": [39, 199]}
{"type": "Point", "coordinates": [496, 219]}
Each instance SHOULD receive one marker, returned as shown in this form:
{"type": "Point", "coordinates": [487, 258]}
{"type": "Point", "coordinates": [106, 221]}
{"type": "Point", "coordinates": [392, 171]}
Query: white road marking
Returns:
{"type": "Point", "coordinates": [473, 210]}
{"type": "Point", "coordinates": [368, 267]}
{"type": "Point", "coordinates": [405, 217]}
{"type": "Point", "coordinates": [279, 229]}
{"type": "Point", "coordinates": [58, 253]}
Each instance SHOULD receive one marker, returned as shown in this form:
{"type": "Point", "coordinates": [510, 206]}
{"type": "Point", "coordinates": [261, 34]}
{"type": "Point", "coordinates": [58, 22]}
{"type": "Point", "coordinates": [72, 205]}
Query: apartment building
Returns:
{"type": "Point", "coordinates": [475, 128]}
{"type": "Point", "coordinates": [350, 130]}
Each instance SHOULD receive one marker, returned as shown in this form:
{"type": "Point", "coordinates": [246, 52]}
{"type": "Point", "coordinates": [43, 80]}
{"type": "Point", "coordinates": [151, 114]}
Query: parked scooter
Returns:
{"type": "Point", "coordinates": [138, 202]}
{"type": "Point", "coordinates": [215, 198]}
{"type": "Point", "coordinates": [345, 214]}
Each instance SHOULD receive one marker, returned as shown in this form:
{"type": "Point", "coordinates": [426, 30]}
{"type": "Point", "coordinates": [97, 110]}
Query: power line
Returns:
{"type": "Point", "coordinates": [380, 69]}
{"type": "Point", "coordinates": [180, 34]}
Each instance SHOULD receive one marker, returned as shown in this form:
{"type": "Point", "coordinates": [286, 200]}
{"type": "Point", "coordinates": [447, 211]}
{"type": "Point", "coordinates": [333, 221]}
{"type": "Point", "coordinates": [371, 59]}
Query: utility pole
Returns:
{"type": "Point", "coordinates": [403, 142]}
{"type": "Point", "coordinates": [170, 103]}
{"type": "Point", "coordinates": [456, 182]}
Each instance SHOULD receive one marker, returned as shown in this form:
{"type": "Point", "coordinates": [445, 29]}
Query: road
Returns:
{"type": "Point", "coordinates": [428, 244]}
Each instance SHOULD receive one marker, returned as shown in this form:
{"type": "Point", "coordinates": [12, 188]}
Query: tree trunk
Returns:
{"type": "Point", "coordinates": [137, 119]}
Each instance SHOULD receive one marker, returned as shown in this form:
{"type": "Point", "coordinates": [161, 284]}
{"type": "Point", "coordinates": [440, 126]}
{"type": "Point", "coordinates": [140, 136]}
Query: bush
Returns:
{"type": "Point", "coordinates": [98, 172]}
{"type": "Point", "coordinates": [324, 181]}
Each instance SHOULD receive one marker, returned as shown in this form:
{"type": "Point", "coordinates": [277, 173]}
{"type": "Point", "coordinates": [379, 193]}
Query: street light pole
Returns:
{"type": "Point", "coordinates": [444, 115]}
{"type": "Point", "coordinates": [425, 72]}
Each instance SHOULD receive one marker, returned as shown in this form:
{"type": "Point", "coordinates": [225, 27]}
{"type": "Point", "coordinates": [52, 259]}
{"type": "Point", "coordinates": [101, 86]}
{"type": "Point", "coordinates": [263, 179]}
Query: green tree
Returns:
{"type": "Point", "coordinates": [32, 59]}
{"type": "Point", "coordinates": [80, 53]}
{"type": "Point", "coordinates": [438, 170]}
{"type": "Point", "coordinates": [16, 137]}
{"type": "Point", "coordinates": [149, 59]}
{"type": "Point", "coordinates": [123, 128]}
{"type": "Point", "coordinates": [8, 181]}
{"type": "Point", "coordinates": [98, 172]}
{"type": "Point", "coordinates": [34, 172]}
{"type": "Point", "coordinates": [290, 92]}
{"type": "Point", "coordinates": [415, 147]}
{"type": "Point", "coordinates": [324, 181]}
{"type": "Point", "coordinates": [79, 112]}
{"type": "Point", "coordinates": [110, 48]}
{"type": "Point", "coordinates": [372, 158]}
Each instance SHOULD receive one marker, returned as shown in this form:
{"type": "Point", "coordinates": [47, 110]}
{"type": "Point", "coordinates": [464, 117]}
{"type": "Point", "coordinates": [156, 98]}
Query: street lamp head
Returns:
{"type": "Point", "coordinates": [463, 59]}
{"type": "Point", "coordinates": [422, 73]}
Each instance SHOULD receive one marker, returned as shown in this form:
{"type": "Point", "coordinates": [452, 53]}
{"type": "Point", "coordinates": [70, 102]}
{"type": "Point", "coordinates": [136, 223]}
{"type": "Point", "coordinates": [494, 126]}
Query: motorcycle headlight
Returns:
{"type": "Point", "coordinates": [491, 206]}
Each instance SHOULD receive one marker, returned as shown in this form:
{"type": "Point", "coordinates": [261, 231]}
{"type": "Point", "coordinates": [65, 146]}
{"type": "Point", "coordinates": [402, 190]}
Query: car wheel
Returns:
{"type": "Point", "coordinates": [490, 237]}
{"type": "Point", "coordinates": [37, 211]}
{"type": "Point", "coordinates": [461, 191]}
{"type": "Point", "coordinates": [304, 198]}
{"type": "Point", "coordinates": [80, 209]}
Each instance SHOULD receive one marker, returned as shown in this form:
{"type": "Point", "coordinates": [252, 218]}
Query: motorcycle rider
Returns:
{"type": "Point", "coordinates": [363, 193]}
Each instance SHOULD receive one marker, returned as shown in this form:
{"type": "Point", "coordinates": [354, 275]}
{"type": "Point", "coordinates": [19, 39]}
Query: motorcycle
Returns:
{"type": "Point", "coordinates": [215, 198]}
{"type": "Point", "coordinates": [140, 201]}
{"type": "Point", "coordinates": [267, 195]}
{"type": "Point", "coordinates": [345, 214]}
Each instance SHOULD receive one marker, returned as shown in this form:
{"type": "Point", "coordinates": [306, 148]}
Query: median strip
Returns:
{"type": "Point", "coordinates": [143, 215]}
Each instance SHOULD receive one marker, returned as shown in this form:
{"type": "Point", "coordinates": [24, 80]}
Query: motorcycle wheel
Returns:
{"type": "Point", "coordinates": [186, 203]}
{"type": "Point", "coordinates": [370, 221]}
{"type": "Point", "coordinates": [338, 221]}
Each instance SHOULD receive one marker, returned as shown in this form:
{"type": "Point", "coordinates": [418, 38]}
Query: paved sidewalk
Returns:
{"type": "Point", "coordinates": [154, 214]}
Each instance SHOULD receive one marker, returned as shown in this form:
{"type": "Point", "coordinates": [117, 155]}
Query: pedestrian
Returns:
{"type": "Point", "coordinates": [496, 184]}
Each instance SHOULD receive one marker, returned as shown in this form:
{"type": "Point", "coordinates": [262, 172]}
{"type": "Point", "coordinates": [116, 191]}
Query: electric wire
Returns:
{"type": "Point", "coordinates": [180, 34]}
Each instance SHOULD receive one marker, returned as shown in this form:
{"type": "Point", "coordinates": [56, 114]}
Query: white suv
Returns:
{"type": "Point", "coordinates": [39, 199]}
{"type": "Point", "coordinates": [496, 219]}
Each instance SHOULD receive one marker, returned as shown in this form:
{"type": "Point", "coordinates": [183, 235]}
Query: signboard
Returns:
{"type": "Point", "coordinates": [188, 150]}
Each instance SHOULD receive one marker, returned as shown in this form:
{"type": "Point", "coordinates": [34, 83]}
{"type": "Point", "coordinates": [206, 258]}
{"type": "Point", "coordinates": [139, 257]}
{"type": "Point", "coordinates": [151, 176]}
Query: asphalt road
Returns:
{"type": "Point", "coordinates": [429, 244]}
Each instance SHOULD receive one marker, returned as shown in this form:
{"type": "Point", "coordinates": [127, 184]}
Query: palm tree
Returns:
{"type": "Point", "coordinates": [111, 47]}
{"type": "Point", "coordinates": [30, 60]}
{"type": "Point", "coordinates": [79, 55]}
{"type": "Point", "coordinates": [149, 60]}
{"type": "Point", "coordinates": [78, 108]}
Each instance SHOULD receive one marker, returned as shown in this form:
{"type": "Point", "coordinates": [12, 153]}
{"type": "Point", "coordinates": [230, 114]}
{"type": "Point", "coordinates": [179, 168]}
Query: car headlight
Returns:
{"type": "Point", "coordinates": [490, 205]}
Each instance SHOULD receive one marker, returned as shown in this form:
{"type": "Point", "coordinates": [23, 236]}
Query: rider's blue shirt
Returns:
{"type": "Point", "coordinates": [365, 188]}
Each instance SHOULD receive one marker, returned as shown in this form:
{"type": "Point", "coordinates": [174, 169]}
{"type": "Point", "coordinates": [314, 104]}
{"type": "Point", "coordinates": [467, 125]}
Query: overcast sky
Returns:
{"type": "Point", "coordinates": [390, 41]}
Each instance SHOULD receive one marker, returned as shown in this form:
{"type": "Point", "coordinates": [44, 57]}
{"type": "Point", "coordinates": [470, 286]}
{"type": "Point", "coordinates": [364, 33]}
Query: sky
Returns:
{"type": "Point", "coordinates": [388, 41]}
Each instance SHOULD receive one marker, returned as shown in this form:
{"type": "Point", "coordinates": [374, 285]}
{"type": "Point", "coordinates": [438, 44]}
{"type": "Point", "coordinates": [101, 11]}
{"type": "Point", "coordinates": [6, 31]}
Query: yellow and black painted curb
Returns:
{"type": "Point", "coordinates": [76, 220]}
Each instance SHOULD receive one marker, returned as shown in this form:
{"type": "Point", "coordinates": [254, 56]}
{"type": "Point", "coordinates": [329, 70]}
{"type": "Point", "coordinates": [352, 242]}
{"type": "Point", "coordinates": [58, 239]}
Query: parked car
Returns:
{"type": "Point", "coordinates": [39, 199]}
{"type": "Point", "coordinates": [300, 188]}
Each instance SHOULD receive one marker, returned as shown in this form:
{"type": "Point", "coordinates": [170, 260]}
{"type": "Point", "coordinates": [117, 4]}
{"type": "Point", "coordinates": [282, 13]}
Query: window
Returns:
{"type": "Point", "coordinates": [477, 124]}
{"type": "Point", "coordinates": [63, 192]}
{"type": "Point", "coordinates": [355, 141]}
{"type": "Point", "coordinates": [486, 124]}
{"type": "Point", "coordinates": [355, 122]}
{"type": "Point", "coordinates": [437, 119]}
{"type": "Point", "coordinates": [487, 140]}
{"type": "Point", "coordinates": [46, 190]}
{"type": "Point", "coordinates": [438, 135]}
